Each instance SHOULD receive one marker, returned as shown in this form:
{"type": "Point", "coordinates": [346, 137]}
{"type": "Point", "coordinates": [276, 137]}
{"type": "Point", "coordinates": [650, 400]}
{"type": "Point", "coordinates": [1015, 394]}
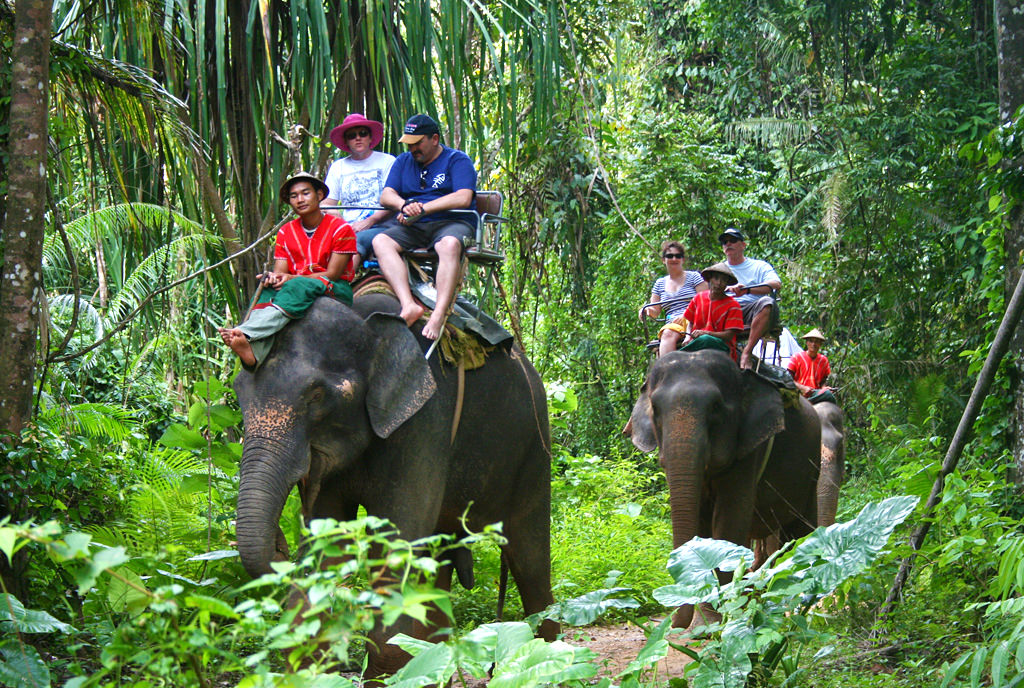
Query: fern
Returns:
{"type": "Point", "coordinates": [98, 421]}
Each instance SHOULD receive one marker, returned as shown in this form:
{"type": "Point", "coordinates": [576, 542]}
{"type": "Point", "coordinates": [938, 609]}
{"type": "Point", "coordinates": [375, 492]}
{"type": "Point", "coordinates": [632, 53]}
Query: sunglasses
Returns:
{"type": "Point", "coordinates": [729, 240]}
{"type": "Point", "coordinates": [670, 256]}
{"type": "Point", "coordinates": [423, 178]}
{"type": "Point", "coordinates": [353, 133]}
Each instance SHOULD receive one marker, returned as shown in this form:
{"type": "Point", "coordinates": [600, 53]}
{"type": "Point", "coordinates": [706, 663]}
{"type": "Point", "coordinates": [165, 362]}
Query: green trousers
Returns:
{"type": "Point", "coordinates": [277, 307]}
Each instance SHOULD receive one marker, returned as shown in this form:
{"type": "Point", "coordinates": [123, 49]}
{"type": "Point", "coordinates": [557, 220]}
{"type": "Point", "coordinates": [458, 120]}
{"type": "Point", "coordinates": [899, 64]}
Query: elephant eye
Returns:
{"type": "Point", "coordinates": [316, 395]}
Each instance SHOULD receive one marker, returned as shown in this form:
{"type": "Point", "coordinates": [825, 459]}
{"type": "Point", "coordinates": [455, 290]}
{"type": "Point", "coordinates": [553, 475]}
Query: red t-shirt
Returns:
{"type": "Point", "coordinates": [715, 316]}
{"type": "Point", "coordinates": [809, 371]}
{"type": "Point", "coordinates": [306, 255]}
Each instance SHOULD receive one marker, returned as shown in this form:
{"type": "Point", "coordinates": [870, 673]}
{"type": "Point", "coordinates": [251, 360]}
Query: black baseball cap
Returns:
{"type": "Point", "coordinates": [733, 233]}
{"type": "Point", "coordinates": [417, 127]}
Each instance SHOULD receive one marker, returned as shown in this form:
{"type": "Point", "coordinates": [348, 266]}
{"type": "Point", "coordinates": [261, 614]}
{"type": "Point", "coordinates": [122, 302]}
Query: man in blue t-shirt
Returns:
{"type": "Point", "coordinates": [757, 280]}
{"type": "Point", "coordinates": [425, 185]}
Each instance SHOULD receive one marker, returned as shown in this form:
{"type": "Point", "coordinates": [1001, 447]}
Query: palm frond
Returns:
{"type": "Point", "coordinates": [153, 270]}
{"type": "Point", "coordinates": [99, 421]}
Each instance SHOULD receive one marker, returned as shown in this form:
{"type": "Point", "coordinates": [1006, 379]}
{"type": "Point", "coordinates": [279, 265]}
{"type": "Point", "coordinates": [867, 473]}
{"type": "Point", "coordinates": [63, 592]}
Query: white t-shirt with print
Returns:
{"type": "Point", "coordinates": [358, 182]}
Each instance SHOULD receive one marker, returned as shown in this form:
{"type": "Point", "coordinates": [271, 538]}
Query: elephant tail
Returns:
{"type": "Point", "coordinates": [462, 559]}
{"type": "Point", "coordinates": [502, 585]}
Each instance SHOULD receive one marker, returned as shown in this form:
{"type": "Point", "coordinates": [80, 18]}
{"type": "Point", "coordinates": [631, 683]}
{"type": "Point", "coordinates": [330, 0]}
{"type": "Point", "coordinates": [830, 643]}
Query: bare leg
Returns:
{"type": "Point", "coordinates": [669, 342]}
{"type": "Point", "coordinates": [757, 327]}
{"type": "Point", "coordinates": [239, 343]}
{"type": "Point", "coordinates": [389, 258]}
{"type": "Point", "coordinates": [449, 250]}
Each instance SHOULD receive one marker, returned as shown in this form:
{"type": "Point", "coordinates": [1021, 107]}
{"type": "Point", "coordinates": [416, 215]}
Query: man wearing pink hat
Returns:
{"type": "Point", "coordinates": [358, 179]}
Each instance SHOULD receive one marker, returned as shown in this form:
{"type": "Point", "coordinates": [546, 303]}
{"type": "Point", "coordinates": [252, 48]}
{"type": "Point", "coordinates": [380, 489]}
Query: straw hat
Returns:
{"type": "Point", "coordinates": [814, 334]}
{"type": "Point", "coordinates": [301, 177]}
{"type": "Point", "coordinates": [722, 269]}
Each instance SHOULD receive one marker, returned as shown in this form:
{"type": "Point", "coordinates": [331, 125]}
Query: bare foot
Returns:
{"type": "Point", "coordinates": [745, 363]}
{"type": "Point", "coordinates": [411, 312]}
{"type": "Point", "coordinates": [432, 330]}
{"type": "Point", "coordinates": [239, 343]}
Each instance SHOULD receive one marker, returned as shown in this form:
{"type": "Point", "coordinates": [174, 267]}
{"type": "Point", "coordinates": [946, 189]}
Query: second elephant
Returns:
{"type": "Point", "coordinates": [713, 424]}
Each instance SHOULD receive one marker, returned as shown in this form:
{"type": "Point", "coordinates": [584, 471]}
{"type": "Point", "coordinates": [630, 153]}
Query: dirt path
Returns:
{"type": "Point", "coordinates": [616, 646]}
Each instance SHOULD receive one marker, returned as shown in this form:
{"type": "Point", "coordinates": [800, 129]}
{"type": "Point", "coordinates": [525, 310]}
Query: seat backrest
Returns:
{"type": "Point", "coordinates": [489, 202]}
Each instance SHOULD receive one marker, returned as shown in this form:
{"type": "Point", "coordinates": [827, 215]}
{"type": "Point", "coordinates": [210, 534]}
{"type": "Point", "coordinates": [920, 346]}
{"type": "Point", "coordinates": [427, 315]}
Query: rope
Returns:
{"type": "Point", "coordinates": [149, 297]}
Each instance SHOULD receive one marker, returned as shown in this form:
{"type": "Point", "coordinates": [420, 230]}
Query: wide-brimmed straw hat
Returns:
{"type": "Point", "coordinates": [814, 334]}
{"type": "Point", "coordinates": [356, 120]}
{"type": "Point", "coordinates": [722, 269]}
{"type": "Point", "coordinates": [301, 177]}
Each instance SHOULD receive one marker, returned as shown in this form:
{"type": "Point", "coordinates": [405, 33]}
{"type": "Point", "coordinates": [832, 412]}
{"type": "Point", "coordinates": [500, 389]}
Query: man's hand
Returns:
{"type": "Point", "coordinates": [739, 289]}
{"type": "Point", "coordinates": [360, 225]}
{"type": "Point", "coordinates": [410, 211]}
{"type": "Point", "coordinates": [275, 279]}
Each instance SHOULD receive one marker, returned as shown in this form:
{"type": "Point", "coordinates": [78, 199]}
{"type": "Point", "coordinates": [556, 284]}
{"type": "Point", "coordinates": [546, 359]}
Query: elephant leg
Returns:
{"type": "Point", "coordinates": [528, 553]}
{"type": "Point", "coordinates": [384, 659]}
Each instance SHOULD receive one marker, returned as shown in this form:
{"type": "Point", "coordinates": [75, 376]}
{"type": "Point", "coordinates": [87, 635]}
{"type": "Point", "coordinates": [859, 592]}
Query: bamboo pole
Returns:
{"type": "Point", "coordinates": [1000, 345]}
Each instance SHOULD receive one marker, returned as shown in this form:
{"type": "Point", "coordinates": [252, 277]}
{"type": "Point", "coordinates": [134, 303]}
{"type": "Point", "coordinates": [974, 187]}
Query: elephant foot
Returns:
{"type": "Point", "coordinates": [682, 617]}
{"type": "Point", "coordinates": [696, 619]}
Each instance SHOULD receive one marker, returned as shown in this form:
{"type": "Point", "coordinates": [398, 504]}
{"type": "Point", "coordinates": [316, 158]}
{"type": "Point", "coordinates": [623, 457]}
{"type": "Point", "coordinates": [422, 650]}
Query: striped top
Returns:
{"type": "Point", "coordinates": [675, 303]}
{"type": "Point", "coordinates": [308, 254]}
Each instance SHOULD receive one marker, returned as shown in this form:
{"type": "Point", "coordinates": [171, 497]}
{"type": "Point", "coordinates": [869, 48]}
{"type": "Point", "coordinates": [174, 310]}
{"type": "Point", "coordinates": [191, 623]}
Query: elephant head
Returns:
{"type": "Point", "coordinates": [707, 418]}
{"type": "Point", "coordinates": [711, 423]}
{"type": "Point", "coordinates": [332, 383]}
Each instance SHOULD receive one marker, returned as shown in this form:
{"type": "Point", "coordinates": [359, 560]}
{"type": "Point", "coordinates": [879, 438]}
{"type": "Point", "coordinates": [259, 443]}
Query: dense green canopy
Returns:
{"type": "Point", "coordinates": [857, 143]}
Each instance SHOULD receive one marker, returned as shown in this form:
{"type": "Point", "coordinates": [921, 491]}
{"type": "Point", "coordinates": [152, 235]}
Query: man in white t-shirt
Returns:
{"type": "Point", "coordinates": [358, 179]}
{"type": "Point", "coordinates": [756, 281]}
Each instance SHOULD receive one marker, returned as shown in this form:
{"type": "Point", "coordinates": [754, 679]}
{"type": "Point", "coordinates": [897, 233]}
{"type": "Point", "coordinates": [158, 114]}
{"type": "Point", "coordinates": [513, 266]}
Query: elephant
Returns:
{"type": "Point", "coordinates": [713, 424]}
{"type": "Point", "coordinates": [833, 460]}
{"type": "Point", "coordinates": [346, 407]}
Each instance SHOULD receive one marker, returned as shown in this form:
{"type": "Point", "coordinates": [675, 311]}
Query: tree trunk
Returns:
{"type": "Point", "coordinates": [1009, 21]}
{"type": "Point", "coordinates": [22, 230]}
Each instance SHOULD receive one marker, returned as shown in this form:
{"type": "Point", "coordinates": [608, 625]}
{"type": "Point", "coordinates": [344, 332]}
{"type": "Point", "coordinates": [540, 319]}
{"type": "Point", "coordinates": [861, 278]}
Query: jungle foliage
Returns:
{"type": "Point", "coordinates": [855, 142]}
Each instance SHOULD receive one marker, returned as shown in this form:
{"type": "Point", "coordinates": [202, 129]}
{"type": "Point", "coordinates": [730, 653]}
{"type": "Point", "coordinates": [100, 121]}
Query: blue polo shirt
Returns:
{"type": "Point", "coordinates": [450, 171]}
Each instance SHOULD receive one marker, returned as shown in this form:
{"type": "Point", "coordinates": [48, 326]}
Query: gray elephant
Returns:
{"type": "Point", "coordinates": [346, 407]}
{"type": "Point", "coordinates": [713, 425]}
{"type": "Point", "coordinates": [833, 460]}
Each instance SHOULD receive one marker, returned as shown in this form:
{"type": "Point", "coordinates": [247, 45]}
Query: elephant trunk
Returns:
{"type": "Point", "coordinates": [684, 458]}
{"type": "Point", "coordinates": [265, 481]}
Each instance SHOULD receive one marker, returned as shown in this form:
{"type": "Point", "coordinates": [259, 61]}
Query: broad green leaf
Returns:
{"type": "Point", "coordinates": [212, 605]}
{"type": "Point", "coordinates": [493, 642]}
{"type": "Point", "coordinates": [74, 546]}
{"type": "Point", "coordinates": [585, 609]}
{"type": "Point", "coordinates": [105, 558]}
{"type": "Point", "coordinates": [828, 556]}
{"type": "Point", "coordinates": [434, 665]}
{"type": "Point", "coordinates": [14, 616]}
{"type": "Point", "coordinates": [211, 388]}
{"type": "Point", "coordinates": [697, 559]}
{"type": "Point", "coordinates": [538, 663]}
{"type": "Point", "coordinates": [654, 650]}
{"type": "Point", "coordinates": [125, 595]}
{"type": "Point", "coordinates": [178, 436]}
{"type": "Point", "coordinates": [8, 536]}
{"type": "Point", "coordinates": [22, 667]}
{"type": "Point", "coordinates": [215, 555]}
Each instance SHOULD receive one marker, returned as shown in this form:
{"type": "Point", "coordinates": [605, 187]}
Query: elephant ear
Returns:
{"type": "Point", "coordinates": [763, 415]}
{"type": "Point", "coordinates": [400, 380]}
{"type": "Point", "coordinates": [641, 423]}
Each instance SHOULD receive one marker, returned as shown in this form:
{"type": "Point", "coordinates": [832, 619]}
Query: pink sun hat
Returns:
{"type": "Point", "coordinates": [356, 120]}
